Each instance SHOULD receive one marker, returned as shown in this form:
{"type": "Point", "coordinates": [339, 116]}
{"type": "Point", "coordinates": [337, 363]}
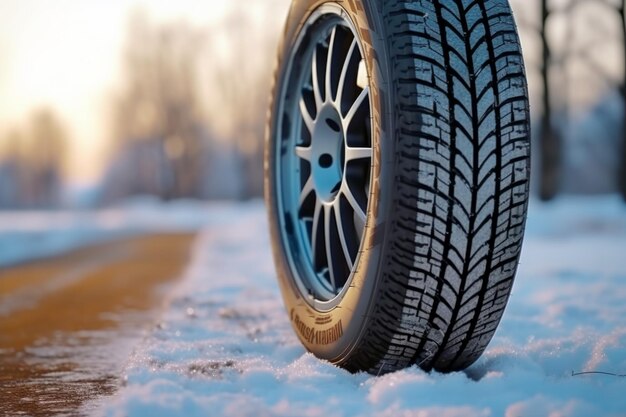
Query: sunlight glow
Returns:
{"type": "Point", "coordinates": [66, 54]}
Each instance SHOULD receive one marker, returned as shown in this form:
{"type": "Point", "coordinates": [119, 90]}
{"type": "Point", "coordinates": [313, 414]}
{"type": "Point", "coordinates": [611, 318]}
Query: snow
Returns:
{"type": "Point", "coordinates": [26, 235]}
{"type": "Point", "coordinates": [224, 346]}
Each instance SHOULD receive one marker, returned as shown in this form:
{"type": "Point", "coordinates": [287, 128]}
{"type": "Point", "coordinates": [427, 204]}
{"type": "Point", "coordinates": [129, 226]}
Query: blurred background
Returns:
{"type": "Point", "coordinates": [102, 101]}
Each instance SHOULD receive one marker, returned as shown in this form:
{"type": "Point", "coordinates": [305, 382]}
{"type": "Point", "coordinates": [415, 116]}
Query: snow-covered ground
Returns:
{"type": "Point", "coordinates": [26, 235]}
{"type": "Point", "coordinates": [225, 347]}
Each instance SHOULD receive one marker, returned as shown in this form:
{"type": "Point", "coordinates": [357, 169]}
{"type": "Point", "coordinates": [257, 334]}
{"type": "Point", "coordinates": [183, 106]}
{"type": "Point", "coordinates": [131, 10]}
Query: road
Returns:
{"type": "Point", "coordinates": [69, 323]}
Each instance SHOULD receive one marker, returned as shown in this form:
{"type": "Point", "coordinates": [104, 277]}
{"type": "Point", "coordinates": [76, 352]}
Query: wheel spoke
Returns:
{"type": "Point", "coordinates": [316, 233]}
{"type": "Point", "coordinates": [306, 116]}
{"type": "Point", "coordinates": [355, 107]}
{"type": "Point", "coordinates": [361, 78]}
{"type": "Point", "coordinates": [341, 230]}
{"type": "Point", "coordinates": [358, 153]}
{"type": "Point", "coordinates": [359, 225]}
{"type": "Point", "coordinates": [329, 246]}
{"type": "Point", "coordinates": [352, 200]}
{"type": "Point", "coordinates": [344, 71]}
{"type": "Point", "coordinates": [317, 93]}
{"type": "Point", "coordinates": [306, 191]}
{"type": "Point", "coordinates": [303, 152]}
{"type": "Point", "coordinates": [329, 65]}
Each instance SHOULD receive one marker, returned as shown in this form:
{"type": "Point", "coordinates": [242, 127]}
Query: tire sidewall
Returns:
{"type": "Point", "coordinates": [333, 335]}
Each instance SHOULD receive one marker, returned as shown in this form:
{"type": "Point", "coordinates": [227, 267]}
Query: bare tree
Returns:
{"type": "Point", "coordinates": [159, 110]}
{"type": "Point", "coordinates": [162, 116]}
{"type": "Point", "coordinates": [618, 7]}
{"type": "Point", "coordinates": [621, 10]}
{"type": "Point", "coordinates": [547, 135]}
{"type": "Point", "coordinates": [46, 157]}
{"type": "Point", "coordinates": [32, 162]}
{"type": "Point", "coordinates": [242, 80]}
{"type": "Point", "coordinates": [550, 138]}
{"type": "Point", "coordinates": [11, 168]}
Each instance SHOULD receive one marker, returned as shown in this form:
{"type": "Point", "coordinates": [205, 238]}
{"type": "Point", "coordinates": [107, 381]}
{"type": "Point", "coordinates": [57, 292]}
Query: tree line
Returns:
{"type": "Point", "coordinates": [189, 121]}
{"type": "Point", "coordinates": [31, 162]}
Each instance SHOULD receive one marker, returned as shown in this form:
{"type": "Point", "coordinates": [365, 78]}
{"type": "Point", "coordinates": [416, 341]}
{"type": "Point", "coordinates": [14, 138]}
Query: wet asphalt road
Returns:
{"type": "Point", "coordinates": [69, 323]}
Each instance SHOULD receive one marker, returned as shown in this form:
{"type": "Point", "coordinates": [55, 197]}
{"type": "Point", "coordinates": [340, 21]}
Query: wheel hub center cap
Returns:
{"type": "Point", "coordinates": [327, 153]}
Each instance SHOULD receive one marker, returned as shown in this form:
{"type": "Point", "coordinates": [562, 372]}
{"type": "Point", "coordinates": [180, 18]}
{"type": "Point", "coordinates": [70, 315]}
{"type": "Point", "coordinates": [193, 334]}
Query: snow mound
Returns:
{"type": "Point", "coordinates": [225, 346]}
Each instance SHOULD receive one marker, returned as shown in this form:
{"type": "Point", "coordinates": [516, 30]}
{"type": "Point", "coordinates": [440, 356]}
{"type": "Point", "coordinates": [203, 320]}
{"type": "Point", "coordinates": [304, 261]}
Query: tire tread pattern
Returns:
{"type": "Point", "coordinates": [461, 183]}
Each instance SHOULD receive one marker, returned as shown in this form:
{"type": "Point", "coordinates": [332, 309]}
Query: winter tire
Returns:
{"type": "Point", "coordinates": [397, 173]}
